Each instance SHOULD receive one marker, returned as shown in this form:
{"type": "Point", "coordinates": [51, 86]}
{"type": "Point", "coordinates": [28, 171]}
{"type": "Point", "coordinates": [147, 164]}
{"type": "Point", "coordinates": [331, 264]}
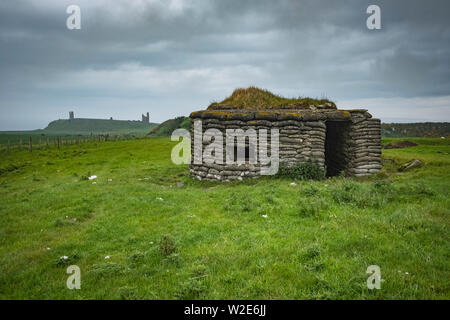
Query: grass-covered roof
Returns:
{"type": "Point", "coordinates": [254, 98]}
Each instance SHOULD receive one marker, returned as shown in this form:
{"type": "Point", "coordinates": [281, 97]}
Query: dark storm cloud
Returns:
{"type": "Point", "coordinates": [171, 57]}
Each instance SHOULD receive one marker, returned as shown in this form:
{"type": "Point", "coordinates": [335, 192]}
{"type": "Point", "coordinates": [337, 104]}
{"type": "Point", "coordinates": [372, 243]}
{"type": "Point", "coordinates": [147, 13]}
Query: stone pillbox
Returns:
{"type": "Point", "coordinates": [347, 141]}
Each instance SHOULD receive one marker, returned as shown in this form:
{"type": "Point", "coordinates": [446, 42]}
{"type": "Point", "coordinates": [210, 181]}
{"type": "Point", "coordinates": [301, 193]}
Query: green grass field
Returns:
{"type": "Point", "coordinates": [316, 242]}
{"type": "Point", "coordinates": [14, 137]}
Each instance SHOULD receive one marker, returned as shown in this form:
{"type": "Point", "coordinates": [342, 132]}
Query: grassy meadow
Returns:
{"type": "Point", "coordinates": [145, 230]}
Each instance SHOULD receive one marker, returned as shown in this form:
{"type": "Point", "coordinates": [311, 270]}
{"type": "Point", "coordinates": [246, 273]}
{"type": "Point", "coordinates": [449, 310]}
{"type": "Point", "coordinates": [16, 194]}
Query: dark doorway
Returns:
{"type": "Point", "coordinates": [246, 153]}
{"type": "Point", "coordinates": [336, 153]}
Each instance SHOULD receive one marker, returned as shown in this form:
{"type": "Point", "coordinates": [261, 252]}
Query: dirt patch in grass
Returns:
{"type": "Point", "coordinates": [10, 168]}
{"type": "Point", "coordinates": [400, 144]}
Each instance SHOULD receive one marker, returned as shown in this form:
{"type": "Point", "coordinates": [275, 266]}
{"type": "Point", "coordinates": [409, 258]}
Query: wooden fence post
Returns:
{"type": "Point", "coordinates": [59, 141]}
{"type": "Point", "coordinates": [31, 144]}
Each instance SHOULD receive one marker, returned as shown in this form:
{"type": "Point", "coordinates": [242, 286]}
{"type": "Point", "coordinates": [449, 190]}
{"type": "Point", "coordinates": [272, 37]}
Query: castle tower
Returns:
{"type": "Point", "coordinates": [71, 116]}
{"type": "Point", "coordinates": [146, 118]}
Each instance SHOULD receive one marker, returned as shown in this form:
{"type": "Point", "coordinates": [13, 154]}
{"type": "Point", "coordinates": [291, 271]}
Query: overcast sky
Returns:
{"type": "Point", "coordinates": [171, 57]}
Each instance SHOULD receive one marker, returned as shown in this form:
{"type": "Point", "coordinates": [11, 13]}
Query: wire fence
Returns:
{"type": "Point", "coordinates": [31, 143]}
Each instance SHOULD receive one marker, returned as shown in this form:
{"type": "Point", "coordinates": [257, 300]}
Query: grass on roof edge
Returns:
{"type": "Point", "coordinates": [253, 97]}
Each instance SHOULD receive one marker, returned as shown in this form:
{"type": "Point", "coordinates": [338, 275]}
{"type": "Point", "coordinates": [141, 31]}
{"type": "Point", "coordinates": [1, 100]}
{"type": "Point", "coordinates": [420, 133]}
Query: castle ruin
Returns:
{"type": "Point", "coordinates": [146, 118]}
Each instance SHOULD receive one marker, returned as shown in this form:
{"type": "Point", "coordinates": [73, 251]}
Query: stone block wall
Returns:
{"type": "Point", "coordinates": [348, 142]}
{"type": "Point", "coordinates": [299, 142]}
{"type": "Point", "coordinates": [364, 147]}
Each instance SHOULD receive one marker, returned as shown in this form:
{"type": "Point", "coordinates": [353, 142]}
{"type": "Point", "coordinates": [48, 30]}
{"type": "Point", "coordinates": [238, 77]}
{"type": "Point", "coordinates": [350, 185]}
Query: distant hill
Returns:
{"type": "Point", "coordinates": [83, 127]}
{"type": "Point", "coordinates": [95, 126]}
{"type": "Point", "coordinates": [166, 128]}
{"type": "Point", "coordinates": [419, 129]}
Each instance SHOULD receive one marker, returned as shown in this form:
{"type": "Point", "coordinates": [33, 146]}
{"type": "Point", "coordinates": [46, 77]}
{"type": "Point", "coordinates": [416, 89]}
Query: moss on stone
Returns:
{"type": "Point", "coordinates": [255, 98]}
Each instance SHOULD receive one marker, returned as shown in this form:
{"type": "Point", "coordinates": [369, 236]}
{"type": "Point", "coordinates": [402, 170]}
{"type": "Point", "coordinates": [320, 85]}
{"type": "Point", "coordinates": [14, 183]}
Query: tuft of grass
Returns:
{"type": "Point", "coordinates": [128, 293]}
{"type": "Point", "coordinates": [9, 168]}
{"type": "Point", "coordinates": [166, 245]}
{"type": "Point", "coordinates": [194, 287]}
{"type": "Point", "coordinates": [67, 260]}
{"type": "Point", "coordinates": [362, 195]}
{"type": "Point", "coordinates": [105, 269]}
{"type": "Point", "coordinates": [256, 98]}
{"type": "Point", "coordinates": [136, 258]}
{"type": "Point", "coordinates": [303, 171]}
{"type": "Point", "coordinates": [241, 203]}
{"type": "Point", "coordinates": [308, 208]}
